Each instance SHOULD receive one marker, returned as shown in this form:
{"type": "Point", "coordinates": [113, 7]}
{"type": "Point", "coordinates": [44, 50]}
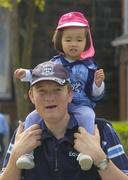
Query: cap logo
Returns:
{"type": "Point", "coordinates": [47, 70]}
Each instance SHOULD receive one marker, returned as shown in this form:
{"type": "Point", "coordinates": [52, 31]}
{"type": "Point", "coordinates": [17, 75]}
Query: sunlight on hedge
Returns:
{"type": "Point", "coordinates": [122, 130]}
{"type": "Point", "coordinates": [6, 4]}
{"type": "Point", "coordinates": [40, 4]}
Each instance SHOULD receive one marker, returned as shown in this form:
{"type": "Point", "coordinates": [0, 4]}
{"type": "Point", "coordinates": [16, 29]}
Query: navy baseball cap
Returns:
{"type": "Point", "coordinates": [49, 71]}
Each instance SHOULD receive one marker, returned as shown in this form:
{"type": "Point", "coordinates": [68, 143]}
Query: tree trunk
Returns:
{"type": "Point", "coordinates": [21, 59]}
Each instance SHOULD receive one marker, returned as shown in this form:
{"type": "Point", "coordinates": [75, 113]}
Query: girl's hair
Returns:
{"type": "Point", "coordinates": [57, 37]}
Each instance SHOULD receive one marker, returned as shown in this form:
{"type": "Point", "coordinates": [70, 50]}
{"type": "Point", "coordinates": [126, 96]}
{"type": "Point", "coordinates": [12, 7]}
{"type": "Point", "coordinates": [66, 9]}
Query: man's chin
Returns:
{"type": "Point", "coordinates": [51, 114]}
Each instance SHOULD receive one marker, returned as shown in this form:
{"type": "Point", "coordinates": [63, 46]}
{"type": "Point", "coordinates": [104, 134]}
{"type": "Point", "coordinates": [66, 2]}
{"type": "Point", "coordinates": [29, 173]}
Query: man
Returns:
{"type": "Point", "coordinates": [57, 140]}
{"type": "Point", "coordinates": [4, 129]}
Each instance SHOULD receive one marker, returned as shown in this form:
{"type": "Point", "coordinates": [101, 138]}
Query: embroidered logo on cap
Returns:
{"type": "Point", "coordinates": [47, 70]}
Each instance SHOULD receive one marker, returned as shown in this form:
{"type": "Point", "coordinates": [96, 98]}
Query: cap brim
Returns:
{"type": "Point", "coordinates": [55, 79]}
{"type": "Point", "coordinates": [71, 24]}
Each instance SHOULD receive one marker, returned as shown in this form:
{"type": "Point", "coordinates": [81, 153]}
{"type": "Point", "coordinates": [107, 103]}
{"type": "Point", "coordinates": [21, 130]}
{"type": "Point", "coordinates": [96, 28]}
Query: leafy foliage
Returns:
{"type": "Point", "coordinates": [122, 130]}
{"type": "Point", "coordinates": [40, 4]}
{"type": "Point", "coordinates": [7, 3]}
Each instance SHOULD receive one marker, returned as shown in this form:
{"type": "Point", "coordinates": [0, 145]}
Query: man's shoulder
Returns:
{"type": "Point", "coordinates": [102, 121]}
{"type": "Point", "coordinates": [105, 128]}
{"type": "Point", "coordinates": [90, 63]}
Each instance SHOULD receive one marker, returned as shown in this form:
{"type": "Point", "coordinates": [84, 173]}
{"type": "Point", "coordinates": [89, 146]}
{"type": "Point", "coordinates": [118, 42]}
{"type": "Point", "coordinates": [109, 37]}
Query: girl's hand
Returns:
{"type": "Point", "coordinates": [99, 77]}
{"type": "Point", "coordinates": [19, 73]}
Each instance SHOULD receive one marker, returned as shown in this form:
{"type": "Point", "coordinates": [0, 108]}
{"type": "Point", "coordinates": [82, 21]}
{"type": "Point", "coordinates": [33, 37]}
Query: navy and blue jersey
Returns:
{"type": "Point", "coordinates": [81, 77]}
{"type": "Point", "coordinates": [56, 159]}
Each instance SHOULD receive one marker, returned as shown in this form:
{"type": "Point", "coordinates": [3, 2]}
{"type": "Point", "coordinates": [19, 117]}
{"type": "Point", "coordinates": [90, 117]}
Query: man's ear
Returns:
{"type": "Point", "coordinates": [30, 93]}
{"type": "Point", "coordinates": [70, 96]}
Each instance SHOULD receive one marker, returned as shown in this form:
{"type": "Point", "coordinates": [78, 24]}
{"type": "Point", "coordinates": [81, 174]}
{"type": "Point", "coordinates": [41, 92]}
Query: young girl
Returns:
{"type": "Point", "coordinates": [72, 39]}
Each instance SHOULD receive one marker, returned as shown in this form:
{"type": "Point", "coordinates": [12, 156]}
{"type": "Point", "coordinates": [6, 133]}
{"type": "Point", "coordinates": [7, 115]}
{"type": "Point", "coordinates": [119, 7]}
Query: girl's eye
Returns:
{"type": "Point", "coordinates": [67, 40]}
{"type": "Point", "coordinates": [79, 40]}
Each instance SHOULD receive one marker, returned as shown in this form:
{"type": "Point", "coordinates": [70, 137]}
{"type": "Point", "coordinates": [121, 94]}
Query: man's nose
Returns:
{"type": "Point", "coordinates": [50, 97]}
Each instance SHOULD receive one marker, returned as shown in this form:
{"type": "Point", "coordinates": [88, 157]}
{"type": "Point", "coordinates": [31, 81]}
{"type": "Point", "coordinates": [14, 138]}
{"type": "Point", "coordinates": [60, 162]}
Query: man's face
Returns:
{"type": "Point", "coordinates": [51, 100]}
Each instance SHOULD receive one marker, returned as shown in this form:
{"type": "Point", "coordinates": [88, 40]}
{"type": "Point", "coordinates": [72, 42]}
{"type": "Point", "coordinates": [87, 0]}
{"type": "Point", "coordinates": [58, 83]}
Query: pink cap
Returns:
{"type": "Point", "coordinates": [77, 19]}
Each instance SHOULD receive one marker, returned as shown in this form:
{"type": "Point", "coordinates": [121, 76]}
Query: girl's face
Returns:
{"type": "Point", "coordinates": [73, 42]}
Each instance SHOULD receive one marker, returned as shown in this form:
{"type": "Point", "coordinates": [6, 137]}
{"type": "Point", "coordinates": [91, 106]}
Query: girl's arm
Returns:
{"type": "Point", "coordinates": [23, 74]}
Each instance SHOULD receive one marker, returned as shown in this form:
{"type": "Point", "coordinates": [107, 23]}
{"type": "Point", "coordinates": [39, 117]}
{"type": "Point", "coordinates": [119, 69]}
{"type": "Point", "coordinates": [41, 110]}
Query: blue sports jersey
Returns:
{"type": "Point", "coordinates": [81, 77]}
{"type": "Point", "coordinates": [56, 159]}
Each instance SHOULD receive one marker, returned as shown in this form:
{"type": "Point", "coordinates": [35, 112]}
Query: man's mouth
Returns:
{"type": "Point", "coordinates": [51, 107]}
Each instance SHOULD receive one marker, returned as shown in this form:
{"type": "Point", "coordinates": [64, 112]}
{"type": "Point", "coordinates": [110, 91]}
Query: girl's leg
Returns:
{"type": "Point", "coordinates": [32, 118]}
{"type": "Point", "coordinates": [26, 161]}
{"type": "Point", "coordinates": [85, 117]}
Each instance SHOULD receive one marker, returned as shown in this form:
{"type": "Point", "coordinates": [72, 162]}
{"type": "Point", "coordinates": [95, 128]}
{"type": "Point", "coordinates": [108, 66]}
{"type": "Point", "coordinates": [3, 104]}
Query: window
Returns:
{"type": "Point", "coordinates": [123, 39]}
{"type": "Point", "coordinates": [125, 28]}
{"type": "Point", "coordinates": [5, 78]}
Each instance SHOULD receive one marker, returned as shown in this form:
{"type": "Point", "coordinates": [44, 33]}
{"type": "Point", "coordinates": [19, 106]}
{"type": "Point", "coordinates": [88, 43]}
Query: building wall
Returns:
{"type": "Point", "coordinates": [123, 82]}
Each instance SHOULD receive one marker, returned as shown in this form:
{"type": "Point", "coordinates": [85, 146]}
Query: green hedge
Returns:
{"type": "Point", "coordinates": [122, 130]}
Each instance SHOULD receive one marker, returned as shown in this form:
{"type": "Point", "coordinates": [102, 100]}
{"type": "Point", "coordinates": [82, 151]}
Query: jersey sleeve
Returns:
{"type": "Point", "coordinates": [28, 76]}
{"type": "Point", "coordinates": [112, 146]}
{"type": "Point", "coordinates": [32, 118]}
{"type": "Point", "coordinates": [9, 150]}
{"type": "Point", "coordinates": [89, 89]}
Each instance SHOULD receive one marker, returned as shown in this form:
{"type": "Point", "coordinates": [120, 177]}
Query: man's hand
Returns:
{"type": "Point", "coordinates": [27, 140]}
{"type": "Point", "coordinates": [87, 143]}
